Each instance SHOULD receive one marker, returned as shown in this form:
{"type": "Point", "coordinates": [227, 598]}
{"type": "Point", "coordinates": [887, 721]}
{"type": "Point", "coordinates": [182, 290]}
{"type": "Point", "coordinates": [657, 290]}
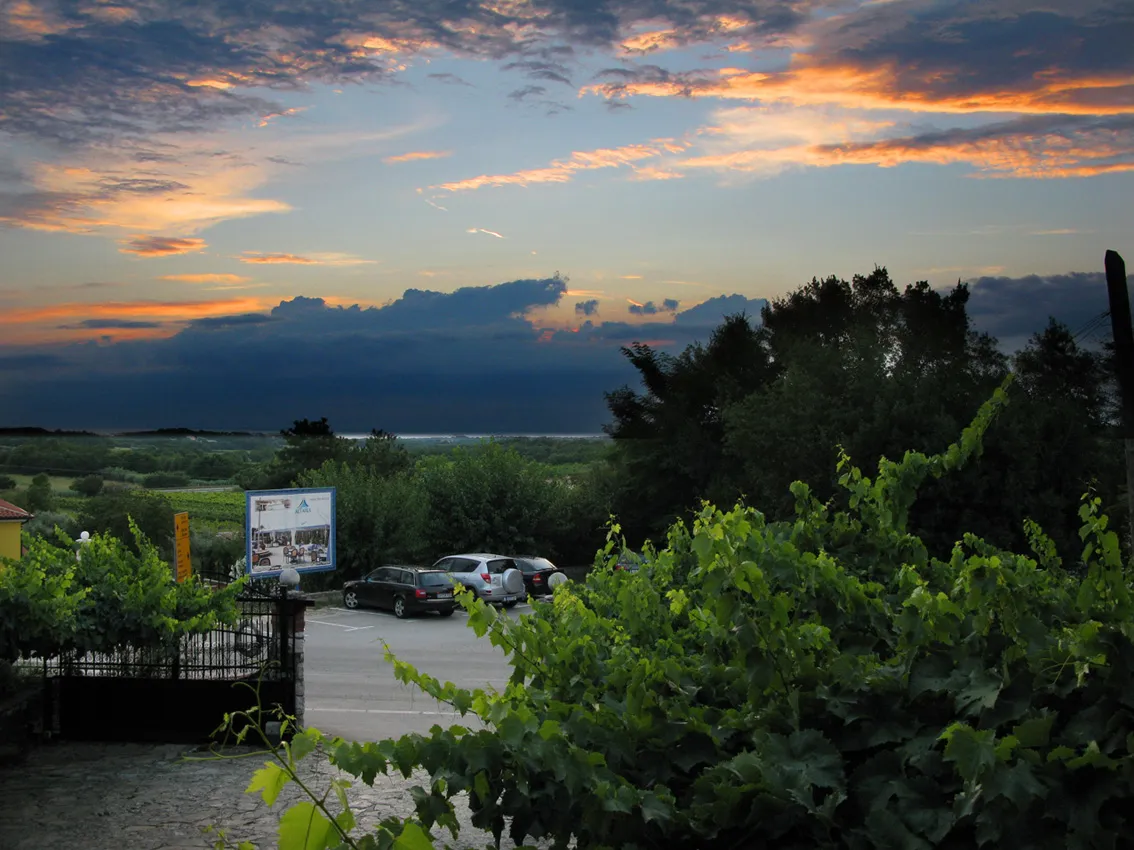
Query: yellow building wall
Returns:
{"type": "Point", "coordinates": [10, 539]}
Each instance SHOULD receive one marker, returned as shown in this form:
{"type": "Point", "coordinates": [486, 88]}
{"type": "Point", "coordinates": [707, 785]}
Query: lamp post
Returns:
{"type": "Point", "coordinates": [84, 538]}
{"type": "Point", "coordinates": [289, 580]}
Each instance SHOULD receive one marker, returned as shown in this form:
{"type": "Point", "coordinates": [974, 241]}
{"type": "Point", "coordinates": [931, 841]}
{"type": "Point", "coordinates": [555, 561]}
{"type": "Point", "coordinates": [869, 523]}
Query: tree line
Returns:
{"type": "Point", "coordinates": [859, 366]}
{"type": "Point", "coordinates": [877, 371]}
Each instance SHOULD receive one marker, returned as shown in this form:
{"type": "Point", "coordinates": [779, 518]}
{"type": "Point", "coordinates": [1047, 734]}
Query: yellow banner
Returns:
{"type": "Point", "coordinates": [183, 568]}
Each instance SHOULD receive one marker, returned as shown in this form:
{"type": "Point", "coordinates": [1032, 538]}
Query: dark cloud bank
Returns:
{"type": "Point", "coordinates": [429, 362]}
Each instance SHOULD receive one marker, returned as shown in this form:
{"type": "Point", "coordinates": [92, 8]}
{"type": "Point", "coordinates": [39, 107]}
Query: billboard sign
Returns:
{"type": "Point", "coordinates": [290, 528]}
{"type": "Point", "coordinates": [182, 566]}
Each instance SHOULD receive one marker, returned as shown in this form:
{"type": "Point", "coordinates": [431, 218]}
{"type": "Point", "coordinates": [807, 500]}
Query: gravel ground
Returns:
{"type": "Point", "coordinates": [72, 796]}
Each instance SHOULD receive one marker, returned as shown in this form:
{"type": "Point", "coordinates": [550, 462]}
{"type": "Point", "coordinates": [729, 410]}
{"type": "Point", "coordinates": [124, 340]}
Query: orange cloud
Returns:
{"type": "Point", "coordinates": [27, 22]}
{"type": "Point", "coordinates": [319, 259]}
{"type": "Point", "coordinates": [266, 118]}
{"type": "Point", "coordinates": [65, 321]}
{"type": "Point", "coordinates": [206, 278]}
{"type": "Point", "coordinates": [812, 82]}
{"type": "Point", "coordinates": [161, 246]}
{"type": "Point", "coordinates": [763, 141]}
{"type": "Point", "coordinates": [1053, 153]}
{"type": "Point", "coordinates": [414, 156]}
{"type": "Point", "coordinates": [564, 170]}
{"type": "Point", "coordinates": [175, 184]}
{"type": "Point", "coordinates": [293, 259]}
{"type": "Point", "coordinates": [165, 311]}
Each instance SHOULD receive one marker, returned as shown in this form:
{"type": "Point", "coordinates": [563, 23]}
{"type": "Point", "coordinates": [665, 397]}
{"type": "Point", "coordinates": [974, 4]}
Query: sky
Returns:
{"type": "Point", "coordinates": [438, 216]}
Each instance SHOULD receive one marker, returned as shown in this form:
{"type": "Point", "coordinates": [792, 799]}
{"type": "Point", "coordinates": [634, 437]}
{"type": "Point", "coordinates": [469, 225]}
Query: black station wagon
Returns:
{"type": "Point", "coordinates": [405, 590]}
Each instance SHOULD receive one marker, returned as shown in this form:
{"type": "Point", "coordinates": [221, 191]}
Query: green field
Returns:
{"type": "Point", "coordinates": [223, 510]}
{"type": "Point", "coordinates": [58, 483]}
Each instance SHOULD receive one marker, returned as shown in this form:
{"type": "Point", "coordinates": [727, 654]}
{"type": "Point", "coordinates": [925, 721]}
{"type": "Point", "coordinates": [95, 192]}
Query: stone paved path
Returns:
{"type": "Point", "coordinates": [70, 796]}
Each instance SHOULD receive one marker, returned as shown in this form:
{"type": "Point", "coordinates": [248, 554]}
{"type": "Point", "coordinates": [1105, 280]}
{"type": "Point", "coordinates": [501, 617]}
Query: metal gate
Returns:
{"type": "Point", "coordinates": [177, 694]}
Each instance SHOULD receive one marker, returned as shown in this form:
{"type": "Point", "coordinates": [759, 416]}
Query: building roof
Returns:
{"type": "Point", "coordinates": [10, 511]}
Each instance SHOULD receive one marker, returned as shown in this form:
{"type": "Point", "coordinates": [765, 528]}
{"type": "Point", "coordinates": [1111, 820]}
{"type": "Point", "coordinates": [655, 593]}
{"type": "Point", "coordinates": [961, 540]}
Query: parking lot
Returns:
{"type": "Point", "coordinates": [350, 689]}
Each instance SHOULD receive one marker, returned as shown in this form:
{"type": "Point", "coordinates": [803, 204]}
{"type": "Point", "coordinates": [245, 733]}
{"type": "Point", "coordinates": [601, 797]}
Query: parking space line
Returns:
{"type": "Point", "coordinates": [339, 625]}
{"type": "Point", "coordinates": [383, 711]}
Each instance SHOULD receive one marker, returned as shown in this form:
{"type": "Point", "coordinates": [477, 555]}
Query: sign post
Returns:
{"type": "Point", "coordinates": [182, 566]}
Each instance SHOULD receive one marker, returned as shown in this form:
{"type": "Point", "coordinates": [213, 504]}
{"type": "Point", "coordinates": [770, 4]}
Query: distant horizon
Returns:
{"type": "Point", "coordinates": [187, 433]}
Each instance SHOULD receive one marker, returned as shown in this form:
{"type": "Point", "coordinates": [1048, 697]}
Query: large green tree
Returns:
{"type": "Point", "coordinates": [862, 365]}
{"type": "Point", "coordinates": [489, 499]}
{"type": "Point", "coordinates": [669, 438]}
{"type": "Point", "coordinates": [308, 444]}
{"type": "Point", "coordinates": [876, 370]}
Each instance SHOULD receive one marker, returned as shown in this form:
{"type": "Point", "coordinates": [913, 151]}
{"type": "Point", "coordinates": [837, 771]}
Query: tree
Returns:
{"type": "Point", "coordinates": [488, 499]}
{"type": "Point", "coordinates": [380, 453]}
{"type": "Point", "coordinates": [112, 512]}
{"type": "Point", "coordinates": [307, 445]}
{"type": "Point", "coordinates": [1055, 442]}
{"type": "Point", "coordinates": [7, 482]}
{"type": "Point", "coordinates": [40, 496]}
{"type": "Point", "coordinates": [669, 438]}
{"type": "Point", "coordinates": [88, 485]}
{"type": "Point", "coordinates": [861, 365]}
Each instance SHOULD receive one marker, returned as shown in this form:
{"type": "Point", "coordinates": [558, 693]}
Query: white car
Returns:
{"type": "Point", "coordinates": [485, 575]}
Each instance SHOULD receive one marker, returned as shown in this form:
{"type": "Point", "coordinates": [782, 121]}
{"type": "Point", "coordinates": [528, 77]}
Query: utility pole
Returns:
{"type": "Point", "coordinates": [1120, 324]}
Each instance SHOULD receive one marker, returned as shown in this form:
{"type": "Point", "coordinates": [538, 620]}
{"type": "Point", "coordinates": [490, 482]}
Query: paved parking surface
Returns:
{"type": "Point", "coordinates": [351, 689]}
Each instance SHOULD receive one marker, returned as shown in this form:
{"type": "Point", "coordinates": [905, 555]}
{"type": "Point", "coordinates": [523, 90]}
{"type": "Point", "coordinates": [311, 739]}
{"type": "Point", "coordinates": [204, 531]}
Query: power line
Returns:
{"type": "Point", "coordinates": [1092, 326]}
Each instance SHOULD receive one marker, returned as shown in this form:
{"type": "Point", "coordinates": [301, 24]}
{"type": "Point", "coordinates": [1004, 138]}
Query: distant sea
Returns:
{"type": "Point", "coordinates": [485, 436]}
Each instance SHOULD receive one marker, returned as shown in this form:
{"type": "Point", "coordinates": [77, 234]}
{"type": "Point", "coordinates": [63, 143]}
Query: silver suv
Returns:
{"type": "Point", "coordinates": [484, 575]}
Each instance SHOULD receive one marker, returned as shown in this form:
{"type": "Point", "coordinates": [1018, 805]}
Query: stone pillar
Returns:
{"type": "Point", "coordinates": [298, 627]}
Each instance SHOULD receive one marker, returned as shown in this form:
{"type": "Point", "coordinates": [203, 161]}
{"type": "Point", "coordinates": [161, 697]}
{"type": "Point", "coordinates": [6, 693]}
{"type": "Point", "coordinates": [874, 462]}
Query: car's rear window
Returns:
{"type": "Point", "coordinates": [531, 565]}
{"type": "Point", "coordinates": [500, 565]}
{"type": "Point", "coordinates": [437, 579]}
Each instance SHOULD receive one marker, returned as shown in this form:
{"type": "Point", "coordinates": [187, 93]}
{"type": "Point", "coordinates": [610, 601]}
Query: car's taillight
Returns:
{"type": "Point", "coordinates": [537, 578]}
{"type": "Point", "coordinates": [486, 577]}
{"type": "Point", "coordinates": [419, 593]}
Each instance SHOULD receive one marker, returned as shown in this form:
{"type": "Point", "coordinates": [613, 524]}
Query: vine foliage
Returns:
{"type": "Point", "coordinates": [819, 683]}
{"type": "Point", "coordinates": [111, 597]}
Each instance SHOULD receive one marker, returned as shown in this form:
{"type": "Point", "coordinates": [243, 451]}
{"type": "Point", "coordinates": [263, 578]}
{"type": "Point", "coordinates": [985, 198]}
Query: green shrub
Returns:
{"type": "Point", "coordinates": [111, 597]}
{"type": "Point", "coordinates": [88, 485]}
{"type": "Point", "coordinates": [45, 523]}
{"type": "Point", "coordinates": [819, 683]}
{"type": "Point", "coordinates": [160, 480]}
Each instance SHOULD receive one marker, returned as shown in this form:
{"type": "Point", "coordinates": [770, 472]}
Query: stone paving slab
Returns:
{"type": "Point", "coordinates": [72, 796]}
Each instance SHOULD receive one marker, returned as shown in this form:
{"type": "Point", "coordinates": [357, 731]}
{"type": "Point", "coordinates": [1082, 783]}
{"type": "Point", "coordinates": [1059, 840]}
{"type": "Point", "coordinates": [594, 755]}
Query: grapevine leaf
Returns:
{"type": "Point", "coordinates": [1016, 783]}
{"type": "Point", "coordinates": [1035, 732]}
{"type": "Point", "coordinates": [302, 745]}
{"type": "Point", "coordinates": [413, 837]}
{"type": "Point", "coordinates": [269, 781]}
{"type": "Point", "coordinates": [304, 827]}
{"type": "Point", "coordinates": [972, 751]}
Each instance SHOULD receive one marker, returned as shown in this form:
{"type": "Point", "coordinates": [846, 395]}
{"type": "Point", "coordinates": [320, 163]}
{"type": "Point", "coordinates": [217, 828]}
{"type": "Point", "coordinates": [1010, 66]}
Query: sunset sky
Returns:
{"type": "Point", "coordinates": [233, 215]}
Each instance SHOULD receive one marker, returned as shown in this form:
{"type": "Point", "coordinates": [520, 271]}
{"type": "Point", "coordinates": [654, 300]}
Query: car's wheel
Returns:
{"type": "Point", "coordinates": [350, 599]}
{"type": "Point", "coordinates": [400, 608]}
{"type": "Point", "coordinates": [448, 612]}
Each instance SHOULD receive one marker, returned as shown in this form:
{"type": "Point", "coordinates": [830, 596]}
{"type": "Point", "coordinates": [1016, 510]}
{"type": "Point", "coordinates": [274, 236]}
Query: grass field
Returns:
{"type": "Point", "coordinates": [58, 483]}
